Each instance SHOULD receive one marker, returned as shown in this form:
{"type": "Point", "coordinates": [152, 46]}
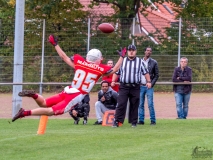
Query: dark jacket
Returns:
{"type": "Point", "coordinates": [153, 71]}
{"type": "Point", "coordinates": [186, 75]}
{"type": "Point", "coordinates": [110, 98]}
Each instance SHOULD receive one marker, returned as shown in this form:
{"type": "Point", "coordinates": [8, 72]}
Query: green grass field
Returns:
{"type": "Point", "coordinates": [168, 140]}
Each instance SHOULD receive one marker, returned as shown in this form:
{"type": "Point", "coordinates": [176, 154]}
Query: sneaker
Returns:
{"type": "Point", "coordinates": [120, 124]}
{"type": "Point", "coordinates": [134, 125]}
{"type": "Point", "coordinates": [84, 122]}
{"type": "Point", "coordinates": [153, 123]}
{"type": "Point", "coordinates": [27, 93]}
{"type": "Point", "coordinates": [140, 123]}
{"type": "Point", "coordinates": [98, 123]}
{"type": "Point", "coordinates": [20, 114]}
{"type": "Point", "coordinates": [76, 120]}
{"type": "Point", "coordinates": [116, 124]}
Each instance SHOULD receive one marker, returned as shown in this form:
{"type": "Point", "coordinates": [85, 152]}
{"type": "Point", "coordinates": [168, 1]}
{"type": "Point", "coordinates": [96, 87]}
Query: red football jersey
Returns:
{"type": "Point", "coordinates": [87, 74]}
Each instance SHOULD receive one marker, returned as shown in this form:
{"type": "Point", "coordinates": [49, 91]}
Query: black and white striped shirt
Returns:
{"type": "Point", "coordinates": [131, 70]}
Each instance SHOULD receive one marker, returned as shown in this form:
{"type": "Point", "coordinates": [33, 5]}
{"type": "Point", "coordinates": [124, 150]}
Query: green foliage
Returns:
{"type": "Point", "coordinates": [195, 9]}
{"type": "Point", "coordinates": [7, 11]}
{"type": "Point", "coordinates": [196, 37]}
{"type": "Point", "coordinates": [203, 72]}
{"type": "Point", "coordinates": [7, 14]}
{"type": "Point", "coordinates": [58, 21]}
{"type": "Point", "coordinates": [6, 38]}
{"type": "Point", "coordinates": [110, 43]}
{"type": "Point", "coordinates": [163, 88]}
{"type": "Point", "coordinates": [6, 68]}
{"type": "Point", "coordinates": [169, 139]}
{"type": "Point", "coordinates": [126, 8]}
{"type": "Point", "coordinates": [5, 89]}
{"type": "Point", "coordinates": [55, 10]}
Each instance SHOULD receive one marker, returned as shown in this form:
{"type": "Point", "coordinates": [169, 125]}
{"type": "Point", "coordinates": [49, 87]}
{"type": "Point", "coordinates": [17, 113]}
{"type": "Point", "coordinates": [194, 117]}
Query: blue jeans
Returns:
{"type": "Point", "coordinates": [182, 102]}
{"type": "Point", "coordinates": [150, 94]}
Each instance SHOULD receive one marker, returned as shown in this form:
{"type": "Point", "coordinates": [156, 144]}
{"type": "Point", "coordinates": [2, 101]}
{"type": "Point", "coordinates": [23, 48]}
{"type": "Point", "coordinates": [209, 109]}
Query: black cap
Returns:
{"type": "Point", "coordinates": [132, 46]}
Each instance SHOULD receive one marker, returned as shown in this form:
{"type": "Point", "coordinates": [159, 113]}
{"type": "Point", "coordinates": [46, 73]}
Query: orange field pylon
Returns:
{"type": "Point", "coordinates": [108, 118]}
{"type": "Point", "coordinates": [42, 125]}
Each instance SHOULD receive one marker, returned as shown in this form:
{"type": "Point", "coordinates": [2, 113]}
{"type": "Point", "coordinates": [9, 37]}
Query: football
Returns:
{"type": "Point", "coordinates": [106, 28]}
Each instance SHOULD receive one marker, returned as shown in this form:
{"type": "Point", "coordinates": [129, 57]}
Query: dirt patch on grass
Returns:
{"type": "Point", "coordinates": [200, 106]}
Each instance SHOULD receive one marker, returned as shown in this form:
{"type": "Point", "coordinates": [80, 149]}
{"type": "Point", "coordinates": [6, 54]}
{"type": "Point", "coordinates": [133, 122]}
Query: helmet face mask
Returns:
{"type": "Point", "coordinates": [94, 56]}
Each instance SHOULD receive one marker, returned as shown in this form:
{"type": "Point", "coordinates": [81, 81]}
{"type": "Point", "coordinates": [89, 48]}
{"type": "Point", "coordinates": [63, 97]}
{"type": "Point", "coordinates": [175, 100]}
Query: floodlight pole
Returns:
{"type": "Point", "coordinates": [18, 55]}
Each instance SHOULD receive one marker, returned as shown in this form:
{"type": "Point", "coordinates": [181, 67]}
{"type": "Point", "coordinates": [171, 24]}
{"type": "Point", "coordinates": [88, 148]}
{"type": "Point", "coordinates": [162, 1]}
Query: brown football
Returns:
{"type": "Point", "coordinates": [106, 27]}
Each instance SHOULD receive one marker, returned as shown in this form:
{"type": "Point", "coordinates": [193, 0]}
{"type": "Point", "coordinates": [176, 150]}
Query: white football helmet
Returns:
{"type": "Point", "coordinates": [94, 56]}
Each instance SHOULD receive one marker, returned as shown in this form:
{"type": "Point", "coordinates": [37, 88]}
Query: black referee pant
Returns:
{"type": "Point", "coordinates": [131, 92]}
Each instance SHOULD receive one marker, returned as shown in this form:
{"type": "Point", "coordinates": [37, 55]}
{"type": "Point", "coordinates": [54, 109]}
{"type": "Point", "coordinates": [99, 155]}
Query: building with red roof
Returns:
{"type": "Point", "coordinates": [151, 23]}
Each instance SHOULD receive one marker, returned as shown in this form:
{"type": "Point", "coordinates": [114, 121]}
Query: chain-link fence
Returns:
{"type": "Point", "coordinates": [195, 43]}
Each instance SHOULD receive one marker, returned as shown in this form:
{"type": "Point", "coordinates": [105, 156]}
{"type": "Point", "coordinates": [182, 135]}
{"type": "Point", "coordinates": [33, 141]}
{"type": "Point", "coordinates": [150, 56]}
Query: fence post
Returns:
{"type": "Point", "coordinates": [88, 35]}
{"type": "Point", "coordinates": [179, 40]}
{"type": "Point", "coordinates": [133, 30]}
{"type": "Point", "coordinates": [42, 57]}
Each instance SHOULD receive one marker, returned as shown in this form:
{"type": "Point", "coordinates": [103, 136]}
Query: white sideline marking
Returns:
{"type": "Point", "coordinates": [51, 132]}
{"type": "Point", "coordinates": [13, 138]}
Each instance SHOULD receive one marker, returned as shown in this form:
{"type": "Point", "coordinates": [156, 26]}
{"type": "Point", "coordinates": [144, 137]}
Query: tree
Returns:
{"type": "Point", "coordinates": [195, 8]}
{"type": "Point", "coordinates": [126, 10]}
{"type": "Point", "coordinates": [7, 14]}
{"type": "Point", "coordinates": [196, 27]}
{"type": "Point", "coordinates": [129, 8]}
{"type": "Point", "coordinates": [63, 17]}
{"type": "Point", "coordinates": [56, 11]}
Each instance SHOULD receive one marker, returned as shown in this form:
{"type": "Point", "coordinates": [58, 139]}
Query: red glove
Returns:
{"type": "Point", "coordinates": [53, 40]}
{"type": "Point", "coordinates": [122, 52]}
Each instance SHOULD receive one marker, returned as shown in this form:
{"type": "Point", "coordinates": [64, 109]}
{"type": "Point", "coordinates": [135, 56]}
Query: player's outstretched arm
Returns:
{"type": "Point", "coordinates": [117, 65]}
{"type": "Point", "coordinates": [53, 40]}
{"type": "Point", "coordinates": [64, 56]}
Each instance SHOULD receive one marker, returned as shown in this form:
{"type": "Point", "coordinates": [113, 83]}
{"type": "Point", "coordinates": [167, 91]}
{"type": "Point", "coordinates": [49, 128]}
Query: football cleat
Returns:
{"type": "Point", "coordinates": [20, 114]}
{"type": "Point", "coordinates": [27, 93]}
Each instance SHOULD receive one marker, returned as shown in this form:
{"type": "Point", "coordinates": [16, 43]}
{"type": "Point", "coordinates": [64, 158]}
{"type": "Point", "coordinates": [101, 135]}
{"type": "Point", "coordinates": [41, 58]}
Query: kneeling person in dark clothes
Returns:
{"type": "Point", "coordinates": [107, 100]}
{"type": "Point", "coordinates": [81, 110]}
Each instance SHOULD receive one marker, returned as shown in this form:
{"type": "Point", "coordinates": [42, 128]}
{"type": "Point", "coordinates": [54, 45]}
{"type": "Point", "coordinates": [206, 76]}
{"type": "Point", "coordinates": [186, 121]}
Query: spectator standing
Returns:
{"type": "Point", "coordinates": [82, 110]}
{"type": "Point", "coordinates": [182, 92]}
{"type": "Point", "coordinates": [152, 66]}
{"type": "Point", "coordinates": [109, 78]}
{"type": "Point", "coordinates": [130, 78]}
{"type": "Point", "coordinates": [107, 100]}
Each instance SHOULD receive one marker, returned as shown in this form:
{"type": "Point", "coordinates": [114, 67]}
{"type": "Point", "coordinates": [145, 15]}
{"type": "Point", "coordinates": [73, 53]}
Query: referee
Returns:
{"type": "Point", "coordinates": [130, 77]}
